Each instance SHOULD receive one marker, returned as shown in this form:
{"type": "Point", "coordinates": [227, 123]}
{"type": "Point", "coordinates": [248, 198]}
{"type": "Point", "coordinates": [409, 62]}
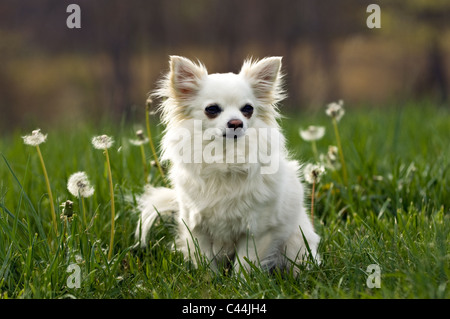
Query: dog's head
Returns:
{"type": "Point", "coordinates": [227, 102]}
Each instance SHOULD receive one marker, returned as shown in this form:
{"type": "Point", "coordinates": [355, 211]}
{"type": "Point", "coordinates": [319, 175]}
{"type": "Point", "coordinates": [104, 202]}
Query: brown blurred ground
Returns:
{"type": "Point", "coordinates": [50, 73]}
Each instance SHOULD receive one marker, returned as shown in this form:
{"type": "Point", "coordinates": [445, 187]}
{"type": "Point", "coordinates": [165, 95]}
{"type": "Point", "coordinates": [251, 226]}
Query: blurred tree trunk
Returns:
{"type": "Point", "coordinates": [121, 82]}
{"type": "Point", "coordinates": [433, 82]}
{"type": "Point", "coordinates": [433, 17]}
{"type": "Point", "coordinates": [323, 36]}
{"type": "Point", "coordinates": [437, 68]}
{"type": "Point", "coordinates": [115, 38]}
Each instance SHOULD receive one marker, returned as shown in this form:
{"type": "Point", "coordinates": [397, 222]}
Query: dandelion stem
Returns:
{"type": "Point", "coordinates": [341, 153]}
{"type": "Point", "coordinates": [113, 213]}
{"type": "Point", "coordinates": [49, 190]}
{"type": "Point", "coordinates": [314, 148]}
{"type": "Point", "coordinates": [84, 211]}
{"type": "Point", "coordinates": [312, 201]}
{"type": "Point", "coordinates": [144, 162]}
{"type": "Point", "coordinates": [152, 146]}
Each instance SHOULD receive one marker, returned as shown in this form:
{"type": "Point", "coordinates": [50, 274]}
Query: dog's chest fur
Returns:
{"type": "Point", "coordinates": [228, 204]}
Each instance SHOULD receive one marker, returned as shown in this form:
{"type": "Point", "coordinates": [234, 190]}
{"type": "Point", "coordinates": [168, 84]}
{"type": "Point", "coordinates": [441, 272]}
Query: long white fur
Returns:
{"type": "Point", "coordinates": [230, 211]}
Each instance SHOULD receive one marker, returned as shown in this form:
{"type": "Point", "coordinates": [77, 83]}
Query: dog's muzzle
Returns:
{"type": "Point", "coordinates": [235, 129]}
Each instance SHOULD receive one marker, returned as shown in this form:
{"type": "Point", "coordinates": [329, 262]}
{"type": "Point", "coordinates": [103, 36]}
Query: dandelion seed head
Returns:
{"type": "Point", "coordinates": [335, 110]}
{"type": "Point", "coordinates": [79, 259]}
{"type": "Point", "coordinates": [79, 185]}
{"type": "Point", "coordinates": [313, 172]}
{"type": "Point", "coordinates": [312, 133]}
{"type": "Point", "coordinates": [332, 153]}
{"type": "Point", "coordinates": [35, 138]}
{"type": "Point", "coordinates": [149, 106]}
{"type": "Point", "coordinates": [141, 139]}
{"type": "Point", "coordinates": [102, 142]}
{"type": "Point", "coordinates": [330, 160]}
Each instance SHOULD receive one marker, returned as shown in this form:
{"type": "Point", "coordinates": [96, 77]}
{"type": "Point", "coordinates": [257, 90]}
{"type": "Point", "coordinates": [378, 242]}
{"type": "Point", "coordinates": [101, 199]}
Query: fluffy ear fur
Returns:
{"type": "Point", "coordinates": [265, 78]}
{"type": "Point", "coordinates": [185, 77]}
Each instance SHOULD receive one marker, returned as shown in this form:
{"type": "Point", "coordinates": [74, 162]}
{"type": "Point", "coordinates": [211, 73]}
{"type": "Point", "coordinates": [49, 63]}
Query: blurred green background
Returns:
{"type": "Point", "coordinates": [50, 74]}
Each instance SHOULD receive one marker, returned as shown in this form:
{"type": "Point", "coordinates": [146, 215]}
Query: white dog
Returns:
{"type": "Point", "coordinates": [238, 198]}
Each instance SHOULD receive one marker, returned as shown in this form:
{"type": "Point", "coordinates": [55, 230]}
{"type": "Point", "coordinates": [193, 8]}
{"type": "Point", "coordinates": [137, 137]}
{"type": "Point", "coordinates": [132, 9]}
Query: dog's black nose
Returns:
{"type": "Point", "coordinates": [235, 124]}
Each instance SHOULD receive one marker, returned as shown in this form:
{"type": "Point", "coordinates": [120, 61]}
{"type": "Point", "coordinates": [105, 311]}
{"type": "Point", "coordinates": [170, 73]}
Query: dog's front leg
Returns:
{"type": "Point", "coordinates": [260, 250]}
{"type": "Point", "coordinates": [196, 246]}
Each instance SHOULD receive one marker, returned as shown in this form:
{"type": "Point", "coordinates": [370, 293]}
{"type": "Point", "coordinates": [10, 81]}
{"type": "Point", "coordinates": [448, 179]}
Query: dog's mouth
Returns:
{"type": "Point", "coordinates": [230, 136]}
{"type": "Point", "coordinates": [233, 133]}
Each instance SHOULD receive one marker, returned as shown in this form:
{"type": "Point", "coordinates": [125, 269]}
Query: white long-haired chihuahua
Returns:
{"type": "Point", "coordinates": [237, 196]}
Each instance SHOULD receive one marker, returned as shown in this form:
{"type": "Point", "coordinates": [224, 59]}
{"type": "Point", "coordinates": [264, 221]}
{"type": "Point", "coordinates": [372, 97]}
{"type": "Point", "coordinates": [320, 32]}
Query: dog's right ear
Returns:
{"type": "Point", "coordinates": [185, 77]}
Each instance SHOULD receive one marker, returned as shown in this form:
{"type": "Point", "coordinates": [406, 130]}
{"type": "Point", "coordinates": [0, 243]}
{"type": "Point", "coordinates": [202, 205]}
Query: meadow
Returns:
{"type": "Point", "coordinates": [392, 211]}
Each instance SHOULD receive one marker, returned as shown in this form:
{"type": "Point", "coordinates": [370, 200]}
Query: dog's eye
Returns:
{"type": "Point", "coordinates": [247, 110]}
{"type": "Point", "coordinates": [213, 110]}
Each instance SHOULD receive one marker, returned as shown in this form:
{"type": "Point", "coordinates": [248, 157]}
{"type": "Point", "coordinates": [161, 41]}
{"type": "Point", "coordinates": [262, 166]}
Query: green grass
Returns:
{"type": "Point", "coordinates": [395, 213]}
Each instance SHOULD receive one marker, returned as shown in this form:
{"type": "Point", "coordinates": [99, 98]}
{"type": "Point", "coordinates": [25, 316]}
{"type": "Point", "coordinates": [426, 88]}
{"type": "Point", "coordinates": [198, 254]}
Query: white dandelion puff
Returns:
{"type": "Point", "coordinates": [138, 142]}
{"type": "Point", "coordinates": [312, 133]}
{"type": "Point", "coordinates": [312, 173]}
{"type": "Point", "coordinates": [35, 138]}
{"type": "Point", "coordinates": [141, 139]}
{"type": "Point", "coordinates": [102, 142]}
{"type": "Point", "coordinates": [335, 110]}
{"type": "Point", "coordinates": [332, 153]}
{"type": "Point", "coordinates": [79, 185]}
{"type": "Point", "coordinates": [330, 160]}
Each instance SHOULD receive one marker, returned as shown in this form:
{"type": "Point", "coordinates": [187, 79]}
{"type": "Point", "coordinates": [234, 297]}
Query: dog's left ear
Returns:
{"type": "Point", "coordinates": [265, 78]}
